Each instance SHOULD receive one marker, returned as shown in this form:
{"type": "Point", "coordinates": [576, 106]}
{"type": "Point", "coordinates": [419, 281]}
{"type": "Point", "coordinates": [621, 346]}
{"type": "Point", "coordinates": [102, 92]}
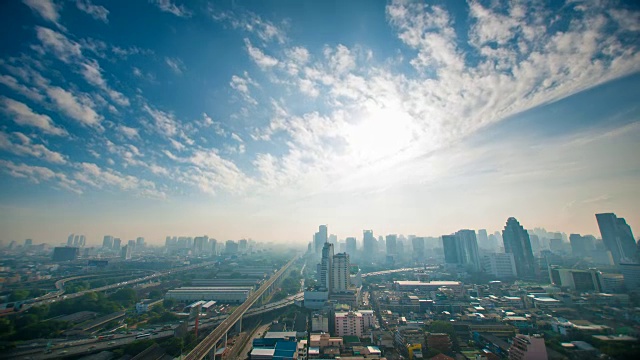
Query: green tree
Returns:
{"type": "Point", "coordinates": [19, 294]}
{"type": "Point", "coordinates": [439, 326]}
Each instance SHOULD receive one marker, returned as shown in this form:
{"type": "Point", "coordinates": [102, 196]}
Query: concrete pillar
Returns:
{"type": "Point", "coordinates": [239, 326]}
{"type": "Point", "coordinates": [225, 338]}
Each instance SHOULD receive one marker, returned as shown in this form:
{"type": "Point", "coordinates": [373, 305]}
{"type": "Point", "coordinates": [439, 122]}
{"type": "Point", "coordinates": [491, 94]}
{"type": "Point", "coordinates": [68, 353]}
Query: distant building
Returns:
{"type": "Point", "coordinates": [631, 274]}
{"type": "Point", "coordinates": [369, 244]}
{"type": "Point", "coordinates": [107, 242]}
{"type": "Point", "coordinates": [417, 245]}
{"type": "Point", "coordinates": [500, 265]}
{"type": "Point", "coordinates": [243, 246]}
{"type": "Point", "coordinates": [66, 253]}
{"type": "Point", "coordinates": [140, 243]}
{"type": "Point", "coordinates": [340, 269]}
{"type": "Point", "coordinates": [320, 238]}
{"type": "Point", "coordinates": [351, 246]}
{"type": "Point", "coordinates": [582, 246]}
{"type": "Point", "coordinates": [325, 267]}
{"type": "Point", "coordinates": [577, 280]}
{"type": "Point", "coordinates": [231, 247]}
{"type": "Point", "coordinates": [125, 252]}
{"type": "Point", "coordinates": [527, 347]}
{"type": "Point", "coordinates": [392, 244]}
{"type": "Point", "coordinates": [28, 242]}
{"type": "Point", "coordinates": [70, 240]}
{"type": "Point", "coordinates": [516, 242]}
{"type": "Point", "coordinates": [617, 237]}
{"type": "Point", "coordinates": [116, 244]}
{"type": "Point", "coordinates": [461, 249]}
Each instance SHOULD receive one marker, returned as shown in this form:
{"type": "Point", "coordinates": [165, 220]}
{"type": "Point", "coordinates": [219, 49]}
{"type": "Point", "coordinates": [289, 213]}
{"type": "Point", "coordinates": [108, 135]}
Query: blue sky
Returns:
{"type": "Point", "coordinates": [262, 119]}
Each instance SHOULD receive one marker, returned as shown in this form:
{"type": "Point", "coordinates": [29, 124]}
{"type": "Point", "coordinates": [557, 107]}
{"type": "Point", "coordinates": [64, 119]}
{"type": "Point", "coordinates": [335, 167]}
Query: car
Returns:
{"type": "Point", "coordinates": [111, 343]}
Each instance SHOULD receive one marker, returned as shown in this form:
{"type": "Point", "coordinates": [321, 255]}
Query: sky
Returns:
{"type": "Point", "coordinates": [263, 119]}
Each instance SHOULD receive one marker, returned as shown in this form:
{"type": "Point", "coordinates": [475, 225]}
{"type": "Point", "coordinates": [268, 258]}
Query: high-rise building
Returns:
{"type": "Point", "coordinates": [417, 245]}
{"type": "Point", "coordinates": [83, 241]}
{"type": "Point", "coordinates": [369, 244]}
{"type": "Point", "coordinates": [213, 244]}
{"type": "Point", "coordinates": [631, 274]}
{"type": "Point", "coordinates": [450, 246]}
{"type": "Point", "coordinates": [340, 268]}
{"type": "Point", "coordinates": [461, 248]}
{"type": "Point", "coordinates": [617, 237]}
{"type": "Point", "coordinates": [392, 244]}
{"type": "Point", "coordinates": [243, 245]}
{"type": "Point", "coordinates": [139, 243]}
{"type": "Point", "coordinates": [577, 280]}
{"type": "Point", "coordinates": [125, 252]}
{"type": "Point", "coordinates": [116, 244]}
{"type": "Point", "coordinates": [200, 245]}
{"type": "Point", "coordinates": [516, 242]}
{"type": "Point", "coordinates": [107, 242]}
{"type": "Point", "coordinates": [500, 265]}
{"type": "Point", "coordinates": [76, 240]}
{"type": "Point", "coordinates": [525, 347]}
{"type": "Point", "coordinates": [325, 267]}
{"type": "Point", "coordinates": [483, 239]}
{"type": "Point", "coordinates": [320, 238]}
{"type": "Point", "coordinates": [351, 246]}
{"type": "Point", "coordinates": [28, 242]}
{"type": "Point", "coordinates": [231, 247]}
{"type": "Point", "coordinates": [582, 245]}
{"type": "Point", "coordinates": [131, 244]}
{"type": "Point", "coordinates": [70, 240]}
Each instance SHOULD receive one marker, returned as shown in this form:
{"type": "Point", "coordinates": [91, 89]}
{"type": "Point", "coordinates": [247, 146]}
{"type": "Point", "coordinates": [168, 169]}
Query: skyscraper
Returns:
{"type": "Point", "coordinates": [320, 238]}
{"type": "Point", "coordinates": [483, 239]}
{"type": "Point", "coordinates": [369, 243]}
{"type": "Point", "coordinates": [325, 266]}
{"type": "Point", "coordinates": [417, 245]}
{"type": "Point", "coordinates": [392, 244]}
{"type": "Point", "coordinates": [617, 237]}
{"type": "Point", "coordinates": [450, 246]}
{"type": "Point", "coordinates": [116, 244]}
{"type": "Point", "coordinates": [351, 246]}
{"type": "Point", "coordinates": [469, 245]}
{"type": "Point", "coordinates": [516, 242]}
{"type": "Point", "coordinates": [70, 240]}
{"type": "Point", "coordinates": [107, 242]}
{"type": "Point", "coordinates": [139, 243]}
{"type": "Point", "coordinates": [581, 245]}
{"type": "Point", "coordinates": [340, 280]}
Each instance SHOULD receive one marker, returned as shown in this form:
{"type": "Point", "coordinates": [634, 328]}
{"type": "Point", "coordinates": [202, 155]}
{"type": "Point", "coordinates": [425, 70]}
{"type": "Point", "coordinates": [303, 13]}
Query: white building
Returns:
{"type": "Point", "coordinates": [353, 323]}
{"type": "Point", "coordinates": [500, 265]}
{"type": "Point", "coordinates": [631, 274]}
{"type": "Point", "coordinates": [231, 294]}
{"type": "Point", "coordinates": [340, 280]}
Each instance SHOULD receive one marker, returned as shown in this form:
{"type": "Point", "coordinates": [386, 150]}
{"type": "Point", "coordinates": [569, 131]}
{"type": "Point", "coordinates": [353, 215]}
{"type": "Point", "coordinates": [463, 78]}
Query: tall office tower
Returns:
{"type": "Point", "coordinates": [213, 244]}
{"type": "Point", "coordinates": [116, 244]}
{"type": "Point", "coordinates": [243, 245]}
{"type": "Point", "coordinates": [369, 244]}
{"type": "Point", "coordinates": [320, 238]}
{"type": "Point", "coordinates": [70, 240]}
{"type": "Point", "coordinates": [500, 265]}
{"type": "Point", "coordinates": [325, 266]}
{"type": "Point", "coordinates": [450, 246]}
{"type": "Point", "coordinates": [468, 244]}
{"type": "Point", "coordinates": [351, 246]}
{"type": "Point", "coordinates": [340, 280]}
{"type": "Point", "coordinates": [131, 244]}
{"type": "Point", "coordinates": [581, 245]}
{"type": "Point", "coordinates": [392, 244]}
{"type": "Point", "coordinates": [333, 238]}
{"type": "Point", "coordinates": [231, 247]}
{"type": "Point", "coordinates": [617, 237]}
{"type": "Point", "coordinates": [483, 239]}
{"type": "Point", "coordinates": [516, 242]}
{"type": "Point", "coordinates": [139, 243]}
{"type": "Point", "coordinates": [76, 239]}
{"type": "Point", "coordinates": [125, 252]}
{"type": "Point", "coordinates": [417, 246]}
{"type": "Point", "coordinates": [535, 242]}
{"type": "Point", "coordinates": [28, 242]}
{"type": "Point", "coordinates": [199, 244]}
{"type": "Point", "coordinates": [83, 240]}
{"type": "Point", "coordinates": [107, 242]}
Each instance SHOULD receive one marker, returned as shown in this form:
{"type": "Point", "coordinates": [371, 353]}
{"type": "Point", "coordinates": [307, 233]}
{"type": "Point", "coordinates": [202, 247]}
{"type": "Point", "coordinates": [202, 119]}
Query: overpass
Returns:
{"type": "Point", "coordinates": [210, 342]}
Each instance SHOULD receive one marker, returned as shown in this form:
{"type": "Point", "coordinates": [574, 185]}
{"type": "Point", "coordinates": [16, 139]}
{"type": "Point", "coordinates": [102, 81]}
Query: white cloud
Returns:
{"type": "Point", "coordinates": [93, 175]}
{"type": "Point", "coordinates": [265, 30]}
{"type": "Point", "coordinates": [65, 49]}
{"type": "Point", "coordinates": [26, 147]}
{"type": "Point", "coordinates": [13, 84]}
{"type": "Point", "coordinates": [37, 174]}
{"type": "Point", "coordinates": [260, 58]}
{"type": "Point", "coordinates": [47, 9]}
{"type": "Point", "coordinates": [165, 123]}
{"type": "Point", "coordinates": [170, 7]}
{"type": "Point", "coordinates": [91, 71]}
{"type": "Point", "coordinates": [175, 64]}
{"type": "Point", "coordinates": [241, 84]}
{"type": "Point", "coordinates": [79, 108]}
{"type": "Point", "coordinates": [23, 115]}
{"type": "Point", "coordinates": [96, 11]}
{"type": "Point", "coordinates": [129, 132]}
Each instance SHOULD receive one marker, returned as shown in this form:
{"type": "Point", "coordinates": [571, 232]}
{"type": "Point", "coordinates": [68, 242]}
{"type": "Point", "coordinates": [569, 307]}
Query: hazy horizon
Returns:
{"type": "Point", "coordinates": [262, 121]}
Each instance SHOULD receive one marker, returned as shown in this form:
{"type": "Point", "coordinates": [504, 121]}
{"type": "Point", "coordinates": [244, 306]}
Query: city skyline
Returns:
{"type": "Point", "coordinates": [401, 117]}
